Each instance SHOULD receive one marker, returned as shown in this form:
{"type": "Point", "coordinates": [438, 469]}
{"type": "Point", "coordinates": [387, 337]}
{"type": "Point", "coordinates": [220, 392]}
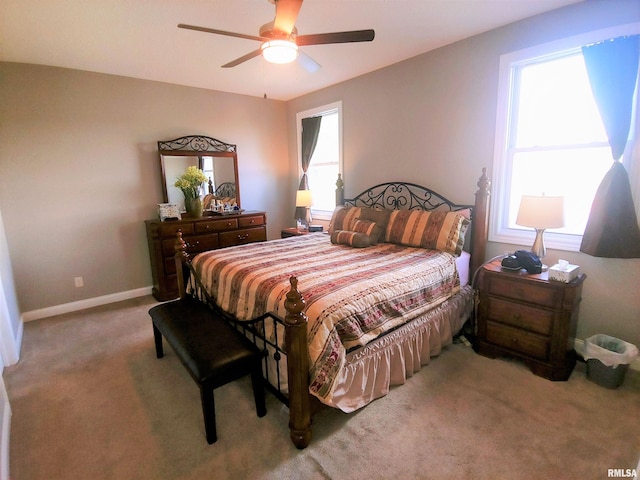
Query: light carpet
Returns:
{"type": "Point", "coordinates": [91, 401]}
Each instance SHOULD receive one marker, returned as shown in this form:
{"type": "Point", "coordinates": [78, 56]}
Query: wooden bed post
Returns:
{"type": "Point", "coordinates": [339, 191]}
{"type": "Point", "coordinates": [480, 222]}
{"type": "Point", "coordinates": [297, 367]}
{"type": "Point", "coordinates": [181, 258]}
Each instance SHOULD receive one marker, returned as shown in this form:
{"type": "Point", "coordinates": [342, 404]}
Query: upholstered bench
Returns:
{"type": "Point", "coordinates": [212, 351]}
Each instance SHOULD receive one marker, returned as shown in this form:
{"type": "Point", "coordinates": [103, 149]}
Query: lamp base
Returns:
{"type": "Point", "coordinates": [538, 248]}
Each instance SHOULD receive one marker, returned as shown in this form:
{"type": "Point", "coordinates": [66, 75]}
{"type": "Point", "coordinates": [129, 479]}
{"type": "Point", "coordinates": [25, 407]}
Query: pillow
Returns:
{"type": "Point", "coordinates": [352, 239]}
{"type": "Point", "coordinates": [371, 229]}
{"type": "Point", "coordinates": [343, 218]}
{"type": "Point", "coordinates": [443, 231]}
{"type": "Point", "coordinates": [378, 215]}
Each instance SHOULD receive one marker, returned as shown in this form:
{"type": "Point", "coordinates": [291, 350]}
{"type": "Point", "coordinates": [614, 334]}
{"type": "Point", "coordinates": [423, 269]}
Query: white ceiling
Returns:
{"type": "Point", "coordinates": [140, 38]}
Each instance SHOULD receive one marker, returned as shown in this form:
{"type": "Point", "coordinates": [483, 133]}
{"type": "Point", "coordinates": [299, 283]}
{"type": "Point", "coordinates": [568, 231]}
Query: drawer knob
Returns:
{"type": "Point", "coordinates": [243, 237]}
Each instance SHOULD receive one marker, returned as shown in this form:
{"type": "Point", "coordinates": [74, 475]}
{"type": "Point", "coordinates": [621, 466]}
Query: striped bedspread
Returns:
{"type": "Point", "coordinates": [353, 295]}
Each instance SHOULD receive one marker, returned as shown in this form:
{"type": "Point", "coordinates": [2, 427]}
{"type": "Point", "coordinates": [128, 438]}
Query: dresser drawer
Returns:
{"type": "Point", "coordinates": [251, 221]}
{"type": "Point", "coordinates": [170, 229]}
{"type": "Point", "coordinates": [202, 243]}
{"type": "Point", "coordinates": [195, 244]}
{"type": "Point", "coordinates": [239, 237]}
{"type": "Point", "coordinates": [521, 316]}
{"type": "Point", "coordinates": [541, 294]}
{"type": "Point", "coordinates": [525, 343]}
{"type": "Point", "coordinates": [216, 225]}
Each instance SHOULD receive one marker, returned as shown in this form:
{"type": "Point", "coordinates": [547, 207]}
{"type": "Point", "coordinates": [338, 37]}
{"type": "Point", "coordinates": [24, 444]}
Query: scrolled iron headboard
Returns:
{"type": "Point", "coordinates": [403, 196]}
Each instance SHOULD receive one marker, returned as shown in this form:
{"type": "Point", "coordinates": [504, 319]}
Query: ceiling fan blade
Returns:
{"type": "Point", "coordinates": [308, 63]}
{"type": "Point", "coordinates": [286, 15]}
{"type": "Point", "coordinates": [242, 59]}
{"type": "Point", "coordinates": [336, 37]}
{"type": "Point", "coordinates": [222, 32]}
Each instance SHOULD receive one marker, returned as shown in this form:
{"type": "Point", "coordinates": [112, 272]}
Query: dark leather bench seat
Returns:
{"type": "Point", "coordinates": [212, 351]}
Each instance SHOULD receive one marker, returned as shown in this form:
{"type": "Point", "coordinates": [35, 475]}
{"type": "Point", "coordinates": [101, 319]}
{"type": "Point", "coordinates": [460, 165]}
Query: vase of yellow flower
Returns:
{"type": "Point", "coordinates": [189, 183]}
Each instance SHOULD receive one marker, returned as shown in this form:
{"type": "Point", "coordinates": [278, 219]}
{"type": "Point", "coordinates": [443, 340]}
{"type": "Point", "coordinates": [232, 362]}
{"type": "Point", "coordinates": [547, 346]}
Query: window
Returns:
{"type": "Point", "coordinates": [549, 140]}
{"type": "Point", "coordinates": [326, 161]}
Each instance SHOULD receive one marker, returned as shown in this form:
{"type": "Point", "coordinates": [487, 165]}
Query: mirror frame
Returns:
{"type": "Point", "coordinates": [196, 146]}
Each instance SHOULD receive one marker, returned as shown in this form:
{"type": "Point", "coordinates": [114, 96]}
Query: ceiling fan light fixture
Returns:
{"type": "Point", "coordinates": [279, 51]}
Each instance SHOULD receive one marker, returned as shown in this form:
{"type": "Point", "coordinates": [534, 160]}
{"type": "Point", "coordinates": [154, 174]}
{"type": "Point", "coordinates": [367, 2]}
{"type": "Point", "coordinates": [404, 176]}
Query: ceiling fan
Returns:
{"type": "Point", "coordinates": [280, 39]}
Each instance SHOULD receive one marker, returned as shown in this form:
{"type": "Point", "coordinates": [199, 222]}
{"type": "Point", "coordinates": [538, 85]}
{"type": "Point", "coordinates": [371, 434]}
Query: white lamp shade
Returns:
{"type": "Point", "coordinates": [303, 198]}
{"type": "Point", "coordinates": [279, 51]}
{"type": "Point", "coordinates": [541, 212]}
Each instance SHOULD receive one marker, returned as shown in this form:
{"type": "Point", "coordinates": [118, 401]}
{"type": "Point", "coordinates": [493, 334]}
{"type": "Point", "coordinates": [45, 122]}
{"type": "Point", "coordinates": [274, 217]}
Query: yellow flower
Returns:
{"type": "Point", "coordinates": [190, 182]}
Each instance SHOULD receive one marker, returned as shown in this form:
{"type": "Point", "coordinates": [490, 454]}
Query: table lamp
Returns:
{"type": "Point", "coordinates": [540, 212]}
{"type": "Point", "coordinates": [303, 199]}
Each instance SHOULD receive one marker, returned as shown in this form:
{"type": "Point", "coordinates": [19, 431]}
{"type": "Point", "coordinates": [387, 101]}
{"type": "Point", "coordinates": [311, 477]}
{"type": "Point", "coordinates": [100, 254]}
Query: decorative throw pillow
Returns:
{"type": "Point", "coordinates": [343, 218]}
{"type": "Point", "coordinates": [443, 231]}
{"type": "Point", "coordinates": [352, 239]}
{"type": "Point", "coordinates": [369, 228]}
{"type": "Point", "coordinates": [378, 215]}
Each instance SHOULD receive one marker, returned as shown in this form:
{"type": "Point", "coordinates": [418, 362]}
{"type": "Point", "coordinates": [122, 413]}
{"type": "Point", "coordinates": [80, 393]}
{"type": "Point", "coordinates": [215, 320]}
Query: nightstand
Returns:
{"type": "Point", "coordinates": [291, 232]}
{"type": "Point", "coordinates": [528, 317]}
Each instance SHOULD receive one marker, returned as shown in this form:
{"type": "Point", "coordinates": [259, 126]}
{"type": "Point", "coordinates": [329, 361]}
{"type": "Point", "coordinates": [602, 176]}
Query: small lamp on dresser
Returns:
{"type": "Point", "coordinates": [541, 212]}
{"type": "Point", "coordinates": [303, 199]}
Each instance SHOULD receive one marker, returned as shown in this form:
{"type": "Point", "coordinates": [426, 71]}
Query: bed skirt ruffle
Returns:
{"type": "Point", "coordinates": [389, 360]}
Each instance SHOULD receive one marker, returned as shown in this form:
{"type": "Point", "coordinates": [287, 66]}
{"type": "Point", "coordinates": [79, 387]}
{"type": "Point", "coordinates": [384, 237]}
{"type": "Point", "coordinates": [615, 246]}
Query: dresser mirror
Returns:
{"type": "Point", "coordinates": [218, 160]}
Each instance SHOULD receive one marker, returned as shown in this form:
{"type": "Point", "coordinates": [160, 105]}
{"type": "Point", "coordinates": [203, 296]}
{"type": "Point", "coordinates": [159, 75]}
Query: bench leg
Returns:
{"type": "Point", "coordinates": [157, 336]}
{"type": "Point", "coordinates": [258, 390]}
{"type": "Point", "coordinates": [209, 412]}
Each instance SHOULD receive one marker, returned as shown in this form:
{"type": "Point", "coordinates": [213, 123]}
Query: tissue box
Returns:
{"type": "Point", "coordinates": [563, 272]}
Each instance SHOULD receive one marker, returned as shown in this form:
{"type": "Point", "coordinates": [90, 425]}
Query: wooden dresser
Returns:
{"type": "Point", "coordinates": [206, 233]}
{"type": "Point", "coordinates": [528, 317]}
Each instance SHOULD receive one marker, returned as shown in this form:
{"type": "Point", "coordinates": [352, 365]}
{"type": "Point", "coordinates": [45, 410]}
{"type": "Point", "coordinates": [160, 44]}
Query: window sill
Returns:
{"type": "Point", "coordinates": [555, 241]}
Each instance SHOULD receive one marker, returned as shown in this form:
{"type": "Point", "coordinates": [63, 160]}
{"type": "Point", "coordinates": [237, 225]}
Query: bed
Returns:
{"type": "Point", "coordinates": [344, 315]}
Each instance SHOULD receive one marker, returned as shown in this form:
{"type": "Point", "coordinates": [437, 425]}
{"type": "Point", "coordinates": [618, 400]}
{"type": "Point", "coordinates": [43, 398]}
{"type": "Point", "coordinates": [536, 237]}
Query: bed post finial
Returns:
{"type": "Point", "coordinates": [181, 258]}
{"type": "Point", "coordinates": [297, 366]}
{"type": "Point", "coordinates": [480, 222]}
{"type": "Point", "coordinates": [339, 191]}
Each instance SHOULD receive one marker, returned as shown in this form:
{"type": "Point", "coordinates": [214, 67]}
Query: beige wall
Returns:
{"type": "Point", "coordinates": [79, 172]}
{"type": "Point", "coordinates": [431, 120]}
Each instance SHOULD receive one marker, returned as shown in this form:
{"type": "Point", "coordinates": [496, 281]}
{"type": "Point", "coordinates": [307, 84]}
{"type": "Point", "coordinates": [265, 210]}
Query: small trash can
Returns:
{"type": "Point", "coordinates": [608, 359]}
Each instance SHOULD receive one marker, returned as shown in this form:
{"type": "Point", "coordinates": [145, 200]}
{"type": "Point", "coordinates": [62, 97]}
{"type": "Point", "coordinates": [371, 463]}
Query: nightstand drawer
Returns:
{"type": "Point", "coordinates": [542, 294]}
{"type": "Point", "coordinates": [521, 342]}
{"type": "Point", "coordinates": [521, 316]}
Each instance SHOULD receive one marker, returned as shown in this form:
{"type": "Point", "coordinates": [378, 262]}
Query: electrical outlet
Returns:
{"type": "Point", "coordinates": [79, 281]}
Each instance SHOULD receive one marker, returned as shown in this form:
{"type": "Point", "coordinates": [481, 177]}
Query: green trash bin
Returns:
{"type": "Point", "coordinates": [608, 359]}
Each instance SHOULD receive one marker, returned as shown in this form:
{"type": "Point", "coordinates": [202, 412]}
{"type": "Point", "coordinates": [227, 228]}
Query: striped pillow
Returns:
{"type": "Point", "coordinates": [371, 229]}
{"type": "Point", "coordinates": [352, 239]}
{"type": "Point", "coordinates": [343, 218]}
{"type": "Point", "coordinates": [436, 230]}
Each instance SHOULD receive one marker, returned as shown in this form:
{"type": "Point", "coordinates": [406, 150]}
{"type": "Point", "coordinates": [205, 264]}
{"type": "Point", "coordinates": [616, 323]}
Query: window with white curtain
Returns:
{"type": "Point", "coordinates": [549, 138]}
{"type": "Point", "coordinates": [326, 161]}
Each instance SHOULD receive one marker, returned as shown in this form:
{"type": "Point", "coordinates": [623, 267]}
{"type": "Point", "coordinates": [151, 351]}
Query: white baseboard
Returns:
{"type": "Point", "coordinates": [578, 345]}
{"type": "Point", "coordinates": [84, 304]}
{"type": "Point", "coordinates": [5, 429]}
